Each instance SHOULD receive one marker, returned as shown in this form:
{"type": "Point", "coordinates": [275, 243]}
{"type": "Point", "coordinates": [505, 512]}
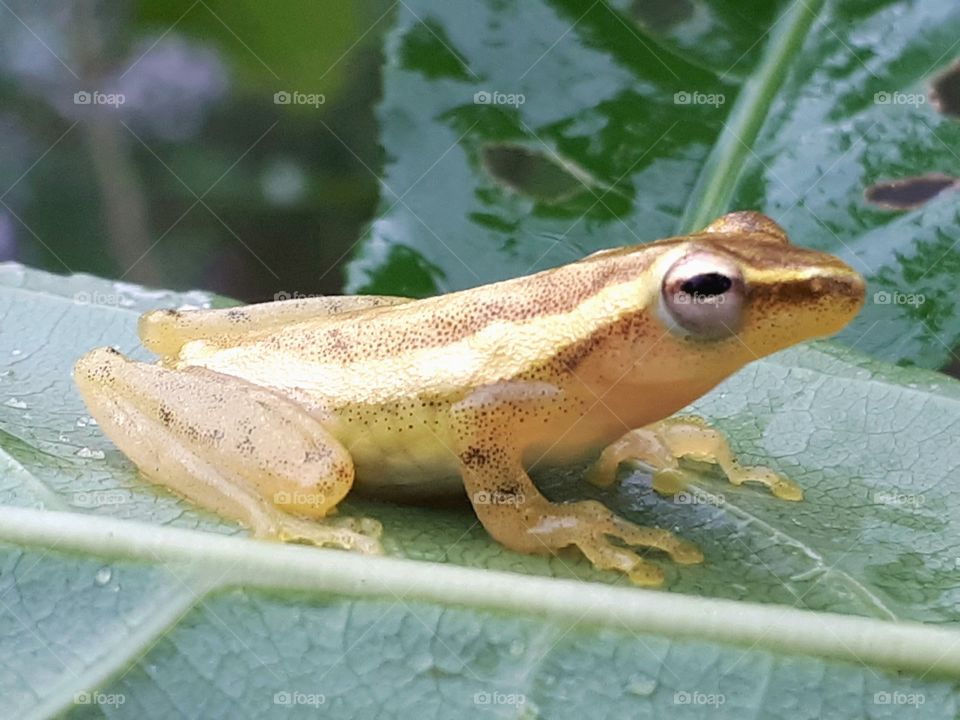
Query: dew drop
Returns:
{"type": "Point", "coordinates": [86, 452]}
{"type": "Point", "coordinates": [14, 403]}
{"type": "Point", "coordinates": [642, 685]}
{"type": "Point", "coordinates": [103, 575]}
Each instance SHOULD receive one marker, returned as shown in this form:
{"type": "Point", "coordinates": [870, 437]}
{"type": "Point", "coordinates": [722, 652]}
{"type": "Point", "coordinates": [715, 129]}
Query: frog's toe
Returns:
{"type": "Point", "coordinates": [363, 525]}
{"type": "Point", "coordinates": [645, 574]}
{"type": "Point", "coordinates": [779, 486]}
{"type": "Point", "coordinates": [670, 481]}
{"type": "Point", "coordinates": [604, 555]}
{"type": "Point", "coordinates": [597, 526]}
{"type": "Point", "coordinates": [340, 535]}
{"type": "Point", "coordinates": [680, 551]}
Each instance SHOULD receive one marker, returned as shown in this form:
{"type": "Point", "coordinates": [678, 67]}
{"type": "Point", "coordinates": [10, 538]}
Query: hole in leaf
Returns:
{"type": "Point", "coordinates": [945, 91]}
{"type": "Point", "coordinates": [908, 193]}
{"type": "Point", "coordinates": [661, 15]}
{"type": "Point", "coordinates": [545, 178]}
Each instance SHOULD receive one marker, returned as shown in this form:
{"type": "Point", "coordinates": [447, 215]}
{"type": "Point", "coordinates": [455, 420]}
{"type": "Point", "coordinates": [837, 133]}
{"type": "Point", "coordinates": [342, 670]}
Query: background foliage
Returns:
{"type": "Point", "coordinates": [510, 137]}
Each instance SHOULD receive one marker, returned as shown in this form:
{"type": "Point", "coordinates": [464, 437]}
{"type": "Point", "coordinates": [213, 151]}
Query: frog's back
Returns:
{"type": "Point", "coordinates": [433, 348]}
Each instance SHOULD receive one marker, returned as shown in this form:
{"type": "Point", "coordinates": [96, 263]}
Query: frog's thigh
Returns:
{"type": "Point", "coordinates": [165, 331]}
{"type": "Point", "coordinates": [660, 444]}
{"type": "Point", "coordinates": [515, 513]}
{"type": "Point", "coordinates": [229, 446]}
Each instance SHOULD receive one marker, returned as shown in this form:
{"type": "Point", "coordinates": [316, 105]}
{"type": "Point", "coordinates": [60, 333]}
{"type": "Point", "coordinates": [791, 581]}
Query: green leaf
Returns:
{"type": "Point", "coordinates": [113, 590]}
{"type": "Point", "coordinates": [664, 116]}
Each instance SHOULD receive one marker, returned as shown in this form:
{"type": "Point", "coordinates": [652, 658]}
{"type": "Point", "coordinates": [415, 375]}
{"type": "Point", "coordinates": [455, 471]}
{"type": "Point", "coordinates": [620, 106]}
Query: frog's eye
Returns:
{"type": "Point", "coordinates": [702, 296]}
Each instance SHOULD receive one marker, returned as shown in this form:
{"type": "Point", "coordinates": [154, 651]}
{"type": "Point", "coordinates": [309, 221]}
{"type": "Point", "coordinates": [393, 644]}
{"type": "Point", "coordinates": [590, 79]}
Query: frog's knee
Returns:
{"type": "Point", "coordinates": [97, 368]}
{"type": "Point", "coordinates": [313, 486]}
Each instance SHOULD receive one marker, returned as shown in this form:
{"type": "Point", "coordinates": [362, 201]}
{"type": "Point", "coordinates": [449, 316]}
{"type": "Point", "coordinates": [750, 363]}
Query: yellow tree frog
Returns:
{"type": "Point", "coordinates": [269, 414]}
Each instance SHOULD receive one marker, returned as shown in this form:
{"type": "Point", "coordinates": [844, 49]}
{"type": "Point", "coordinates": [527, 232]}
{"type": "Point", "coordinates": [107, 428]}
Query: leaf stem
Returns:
{"type": "Point", "coordinates": [721, 172]}
{"type": "Point", "coordinates": [906, 646]}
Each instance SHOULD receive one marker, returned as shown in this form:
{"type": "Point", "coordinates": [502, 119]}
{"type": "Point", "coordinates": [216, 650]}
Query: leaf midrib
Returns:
{"type": "Point", "coordinates": [908, 646]}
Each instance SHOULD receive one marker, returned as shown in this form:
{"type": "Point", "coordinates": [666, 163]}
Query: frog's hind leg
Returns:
{"type": "Point", "coordinates": [237, 449]}
{"type": "Point", "coordinates": [661, 444]}
{"type": "Point", "coordinates": [165, 331]}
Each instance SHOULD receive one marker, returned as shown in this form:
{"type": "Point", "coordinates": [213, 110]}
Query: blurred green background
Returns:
{"type": "Point", "coordinates": [417, 147]}
{"type": "Point", "coordinates": [199, 178]}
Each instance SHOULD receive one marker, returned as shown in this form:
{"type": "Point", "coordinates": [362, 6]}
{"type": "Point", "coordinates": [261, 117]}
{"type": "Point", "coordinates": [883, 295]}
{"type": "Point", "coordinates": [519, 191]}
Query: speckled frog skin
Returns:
{"type": "Point", "coordinates": [270, 413]}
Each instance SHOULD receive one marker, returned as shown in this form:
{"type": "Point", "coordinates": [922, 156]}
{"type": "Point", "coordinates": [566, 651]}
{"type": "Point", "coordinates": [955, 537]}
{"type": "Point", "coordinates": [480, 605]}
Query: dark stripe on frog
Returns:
{"type": "Point", "coordinates": [447, 319]}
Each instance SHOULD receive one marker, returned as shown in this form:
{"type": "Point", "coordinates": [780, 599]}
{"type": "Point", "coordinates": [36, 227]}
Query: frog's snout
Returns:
{"type": "Point", "coordinates": [830, 301]}
{"type": "Point", "coordinates": [846, 285]}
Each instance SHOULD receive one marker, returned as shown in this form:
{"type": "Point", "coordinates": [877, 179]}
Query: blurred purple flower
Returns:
{"type": "Point", "coordinates": [169, 85]}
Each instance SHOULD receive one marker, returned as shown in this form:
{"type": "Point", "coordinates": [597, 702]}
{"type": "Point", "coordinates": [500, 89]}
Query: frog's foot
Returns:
{"type": "Point", "coordinates": [591, 527]}
{"type": "Point", "coordinates": [357, 534]}
{"type": "Point", "coordinates": [520, 518]}
{"type": "Point", "coordinates": [661, 445]}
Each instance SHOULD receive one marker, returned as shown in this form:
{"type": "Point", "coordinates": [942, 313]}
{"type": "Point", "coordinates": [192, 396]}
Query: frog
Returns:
{"type": "Point", "coordinates": [270, 414]}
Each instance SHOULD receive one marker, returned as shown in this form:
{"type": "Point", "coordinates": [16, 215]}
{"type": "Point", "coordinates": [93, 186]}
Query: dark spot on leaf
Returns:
{"type": "Point", "coordinates": [493, 222]}
{"type": "Point", "coordinates": [533, 173]}
{"type": "Point", "coordinates": [661, 15]}
{"type": "Point", "coordinates": [427, 48]}
{"type": "Point", "coordinates": [945, 91]}
{"type": "Point", "coordinates": [908, 193]}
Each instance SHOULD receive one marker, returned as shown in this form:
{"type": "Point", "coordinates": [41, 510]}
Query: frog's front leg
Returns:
{"type": "Point", "coordinates": [488, 424]}
{"type": "Point", "coordinates": [237, 449]}
{"type": "Point", "coordinates": [661, 444]}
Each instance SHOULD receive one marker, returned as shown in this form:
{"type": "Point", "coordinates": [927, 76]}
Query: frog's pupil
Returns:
{"type": "Point", "coordinates": [708, 284]}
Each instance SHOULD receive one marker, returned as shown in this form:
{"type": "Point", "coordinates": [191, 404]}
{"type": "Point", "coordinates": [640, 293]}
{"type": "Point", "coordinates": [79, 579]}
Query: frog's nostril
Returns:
{"type": "Point", "coordinates": [849, 285]}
